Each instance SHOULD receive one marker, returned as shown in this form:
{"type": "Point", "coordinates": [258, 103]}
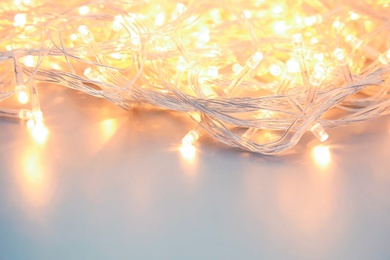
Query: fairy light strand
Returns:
{"type": "Point", "coordinates": [309, 69]}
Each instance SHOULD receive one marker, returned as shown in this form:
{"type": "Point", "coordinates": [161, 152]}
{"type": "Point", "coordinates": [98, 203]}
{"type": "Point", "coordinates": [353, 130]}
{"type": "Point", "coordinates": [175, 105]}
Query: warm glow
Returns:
{"type": "Point", "coordinates": [117, 23]}
{"type": "Point", "coordinates": [23, 97]}
{"type": "Point", "coordinates": [275, 70]}
{"type": "Point", "coordinates": [190, 138]}
{"type": "Point", "coordinates": [188, 152]}
{"type": "Point", "coordinates": [277, 9]}
{"type": "Point", "coordinates": [83, 10]}
{"type": "Point", "coordinates": [20, 20]}
{"type": "Point", "coordinates": [160, 18]}
{"type": "Point", "coordinates": [40, 133]}
{"type": "Point", "coordinates": [226, 61]}
{"type": "Point", "coordinates": [280, 27]}
{"type": "Point", "coordinates": [321, 155]}
{"type": "Point", "coordinates": [34, 179]}
{"type": "Point", "coordinates": [29, 61]}
{"type": "Point", "coordinates": [109, 128]}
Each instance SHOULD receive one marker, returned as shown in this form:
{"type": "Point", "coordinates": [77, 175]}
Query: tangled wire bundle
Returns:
{"type": "Point", "coordinates": [253, 74]}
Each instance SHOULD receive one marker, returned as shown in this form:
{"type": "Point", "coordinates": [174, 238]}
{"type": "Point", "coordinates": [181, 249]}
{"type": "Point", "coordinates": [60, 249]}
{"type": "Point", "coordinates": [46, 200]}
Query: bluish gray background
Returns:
{"type": "Point", "coordinates": [111, 184]}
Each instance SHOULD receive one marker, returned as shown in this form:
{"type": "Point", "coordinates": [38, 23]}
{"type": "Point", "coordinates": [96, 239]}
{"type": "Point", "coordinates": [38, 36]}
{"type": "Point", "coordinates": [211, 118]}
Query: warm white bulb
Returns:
{"type": "Point", "coordinates": [83, 10]}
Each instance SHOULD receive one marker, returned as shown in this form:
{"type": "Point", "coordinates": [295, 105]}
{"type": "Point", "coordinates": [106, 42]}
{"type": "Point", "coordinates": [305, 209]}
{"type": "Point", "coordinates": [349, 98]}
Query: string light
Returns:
{"type": "Point", "coordinates": [241, 70]}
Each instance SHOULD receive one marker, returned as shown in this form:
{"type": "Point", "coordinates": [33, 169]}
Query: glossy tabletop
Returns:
{"type": "Point", "coordinates": [112, 184]}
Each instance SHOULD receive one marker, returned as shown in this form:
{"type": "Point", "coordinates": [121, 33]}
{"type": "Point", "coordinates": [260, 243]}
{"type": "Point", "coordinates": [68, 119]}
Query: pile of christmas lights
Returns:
{"type": "Point", "coordinates": [254, 74]}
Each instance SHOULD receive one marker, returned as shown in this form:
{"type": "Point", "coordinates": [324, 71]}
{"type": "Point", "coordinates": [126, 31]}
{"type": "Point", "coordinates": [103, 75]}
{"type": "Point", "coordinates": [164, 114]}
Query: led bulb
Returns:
{"type": "Point", "coordinates": [28, 61]}
{"type": "Point", "coordinates": [25, 114]}
{"type": "Point", "coordinates": [20, 20]}
{"type": "Point", "coordinates": [83, 10]}
{"type": "Point", "coordinates": [85, 33]}
{"type": "Point", "coordinates": [353, 16]}
{"type": "Point", "coordinates": [339, 54]}
{"type": "Point", "coordinates": [319, 132]}
{"type": "Point", "coordinates": [385, 57]}
{"type": "Point", "coordinates": [292, 66]}
{"type": "Point", "coordinates": [209, 72]}
{"type": "Point", "coordinates": [298, 42]}
{"type": "Point", "coordinates": [312, 20]}
{"type": "Point", "coordinates": [254, 60]}
{"type": "Point", "coordinates": [160, 18]}
{"type": "Point", "coordinates": [190, 138]}
{"type": "Point", "coordinates": [275, 70]}
{"type": "Point", "coordinates": [37, 117]}
{"type": "Point", "coordinates": [247, 14]}
{"type": "Point", "coordinates": [136, 41]}
{"type": "Point", "coordinates": [21, 91]}
{"type": "Point", "coordinates": [117, 23]}
{"type": "Point", "coordinates": [279, 27]}
{"type": "Point", "coordinates": [236, 68]}
{"type": "Point", "coordinates": [318, 75]}
{"type": "Point", "coordinates": [277, 9]}
{"type": "Point", "coordinates": [353, 41]}
{"type": "Point", "coordinates": [180, 8]}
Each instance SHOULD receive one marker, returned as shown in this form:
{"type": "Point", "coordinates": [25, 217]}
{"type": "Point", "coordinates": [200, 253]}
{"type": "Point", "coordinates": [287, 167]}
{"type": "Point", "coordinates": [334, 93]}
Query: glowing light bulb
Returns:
{"type": "Point", "coordinates": [22, 97]}
{"type": "Point", "coordinates": [136, 41]}
{"type": "Point", "coordinates": [236, 68]}
{"type": "Point", "coordinates": [342, 61]}
{"type": "Point", "coordinates": [298, 42]}
{"type": "Point", "coordinates": [367, 50]}
{"type": "Point", "coordinates": [299, 49]}
{"type": "Point", "coordinates": [251, 64]}
{"type": "Point", "coordinates": [204, 37]}
{"type": "Point", "coordinates": [280, 27]}
{"type": "Point", "coordinates": [190, 138]}
{"type": "Point", "coordinates": [93, 75]}
{"type": "Point", "coordinates": [353, 16]}
{"type": "Point", "coordinates": [180, 8]}
{"type": "Point", "coordinates": [37, 117]}
{"type": "Point", "coordinates": [160, 18]}
{"type": "Point", "coordinates": [25, 114]}
{"type": "Point", "coordinates": [116, 56]}
{"type": "Point", "coordinates": [275, 70]}
{"type": "Point", "coordinates": [21, 91]}
{"type": "Point", "coordinates": [353, 41]}
{"type": "Point", "coordinates": [117, 23]}
{"type": "Point", "coordinates": [338, 25]}
{"type": "Point", "coordinates": [318, 75]}
{"type": "Point", "coordinates": [209, 72]}
{"type": "Point", "coordinates": [339, 54]}
{"type": "Point", "coordinates": [314, 41]}
{"type": "Point", "coordinates": [73, 37]}
{"type": "Point", "coordinates": [188, 152]}
{"type": "Point", "coordinates": [40, 133]}
{"type": "Point", "coordinates": [247, 14]}
{"type": "Point", "coordinates": [312, 20]}
{"type": "Point", "coordinates": [292, 66]}
{"type": "Point", "coordinates": [385, 57]}
{"type": "Point", "coordinates": [277, 9]}
{"type": "Point", "coordinates": [84, 10]}
{"type": "Point", "coordinates": [319, 132]}
{"type": "Point", "coordinates": [28, 61]}
{"type": "Point", "coordinates": [30, 124]}
{"type": "Point", "coordinates": [20, 20]}
{"type": "Point", "coordinates": [85, 33]}
{"type": "Point", "coordinates": [254, 60]}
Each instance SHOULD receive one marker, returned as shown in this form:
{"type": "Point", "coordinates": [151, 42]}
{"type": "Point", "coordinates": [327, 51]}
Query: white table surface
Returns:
{"type": "Point", "coordinates": [112, 184]}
